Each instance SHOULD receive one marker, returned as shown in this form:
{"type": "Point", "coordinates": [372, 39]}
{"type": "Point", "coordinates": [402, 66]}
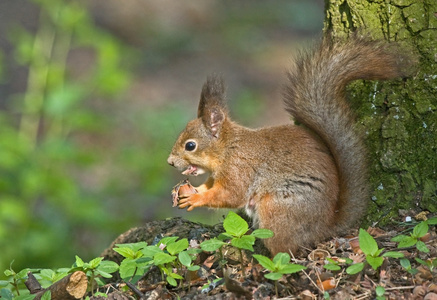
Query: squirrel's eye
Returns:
{"type": "Point", "coordinates": [190, 146]}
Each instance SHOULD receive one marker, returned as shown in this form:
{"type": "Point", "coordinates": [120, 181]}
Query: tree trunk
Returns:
{"type": "Point", "coordinates": [399, 117]}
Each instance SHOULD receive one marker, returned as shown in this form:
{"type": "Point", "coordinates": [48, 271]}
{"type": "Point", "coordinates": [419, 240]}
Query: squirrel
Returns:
{"type": "Point", "coordinates": [306, 181]}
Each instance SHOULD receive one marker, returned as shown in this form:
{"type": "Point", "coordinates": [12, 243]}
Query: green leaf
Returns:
{"type": "Point", "coordinates": [134, 246]}
{"type": "Point", "coordinates": [398, 238]}
{"type": "Point", "coordinates": [150, 251]}
{"type": "Point", "coordinates": [103, 273]}
{"type": "Point", "coordinates": [95, 262]}
{"type": "Point", "coordinates": [185, 258]}
{"type": "Point", "coordinates": [432, 221]}
{"type": "Point", "coordinates": [367, 243]}
{"type": "Point", "coordinates": [108, 266]}
{"type": "Point", "coordinates": [47, 274]}
{"type": "Point", "coordinates": [211, 245]}
{"type": "Point", "coordinates": [420, 229]}
{"type": "Point", "coordinates": [265, 262]}
{"type": "Point", "coordinates": [79, 261]}
{"type": "Point", "coordinates": [291, 268]}
{"type": "Point", "coordinates": [163, 258]}
{"type": "Point", "coordinates": [262, 233]}
{"type": "Point", "coordinates": [127, 268]}
{"type": "Point", "coordinates": [408, 241]}
{"type": "Point", "coordinates": [6, 294]}
{"type": "Point", "coordinates": [126, 252]}
{"type": "Point", "coordinates": [354, 269]}
{"type": "Point", "coordinates": [235, 225]}
{"type": "Point", "coordinates": [281, 259]}
{"type": "Point", "coordinates": [168, 240]}
{"type": "Point", "coordinates": [421, 261]}
{"type": "Point", "coordinates": [175, 275]}
{"type": "Point", "coordinates": [421, 246]}
{"type": "Point", "coordinates": [224, 236]}
{"type": "Point", "coordinates": [405, 263]}
{"type": "Point", "coordinates": [273, 276]}
{"type": "Point", "coordinates": [4, 283]}
{"type": "Point", "coordinates": [244, 242]}
{"type": "Point", "coordinates": [25, 297]}
{"type": "Point", "coordinates": [176, 247]}
{"type": "Point", "coordinates": [379, 291]}
{"type": "Point", "coordinates": [374, 262]}
{"type": "Point", "coordinates": [171, 281]}
{"type": "Point", "coordinates": [393, 254]}
{"type": "Point", "coordinates": [193, 268]}
{"type": "Point", "coordinates": [332, 267]}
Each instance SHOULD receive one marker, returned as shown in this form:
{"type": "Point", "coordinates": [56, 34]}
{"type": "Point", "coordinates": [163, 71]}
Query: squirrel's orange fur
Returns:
{"type": "Point", "coordinates": [305, 183]}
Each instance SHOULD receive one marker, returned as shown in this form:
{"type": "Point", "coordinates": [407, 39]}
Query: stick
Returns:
{"type": "Point", "coordinates": [70, 287]}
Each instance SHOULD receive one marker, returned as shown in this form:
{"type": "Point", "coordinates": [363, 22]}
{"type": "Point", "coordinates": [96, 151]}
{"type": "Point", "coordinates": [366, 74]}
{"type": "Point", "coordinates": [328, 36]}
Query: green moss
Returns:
{"type": "Point", "coordinates": [399, 117]}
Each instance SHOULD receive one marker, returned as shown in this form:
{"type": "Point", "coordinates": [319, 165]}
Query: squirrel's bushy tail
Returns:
{"type": "Point", "coordinates": [315, 97]}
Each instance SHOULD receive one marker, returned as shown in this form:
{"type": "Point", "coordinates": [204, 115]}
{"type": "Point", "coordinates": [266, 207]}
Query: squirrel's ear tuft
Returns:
{"type": "Point", "coordinates": [212, 106]}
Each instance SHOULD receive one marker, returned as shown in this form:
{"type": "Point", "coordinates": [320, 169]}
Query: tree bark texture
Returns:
{"type": "Point", "coordinates": [399, 117]}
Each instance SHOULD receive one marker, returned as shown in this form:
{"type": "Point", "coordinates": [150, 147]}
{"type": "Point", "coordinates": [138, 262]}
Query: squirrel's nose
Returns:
{"type": "Point", "coordinates": [170, 162]}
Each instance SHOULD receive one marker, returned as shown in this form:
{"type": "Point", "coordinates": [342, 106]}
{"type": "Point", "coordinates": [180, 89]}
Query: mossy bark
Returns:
{"type": "Point", "coordinates": [399, 117]}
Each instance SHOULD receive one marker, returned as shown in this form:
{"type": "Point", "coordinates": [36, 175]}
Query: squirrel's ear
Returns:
{"type": "Point", "coordinates": [212, 106]}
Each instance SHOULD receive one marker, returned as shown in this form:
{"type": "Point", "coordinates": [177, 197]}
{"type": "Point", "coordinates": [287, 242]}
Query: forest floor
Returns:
{"type": "Point", "coordinates": [327, 273]}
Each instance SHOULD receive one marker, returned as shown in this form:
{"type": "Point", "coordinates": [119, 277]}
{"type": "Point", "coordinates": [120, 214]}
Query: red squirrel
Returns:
{"type": "Point", "coordinates": [305, 182]}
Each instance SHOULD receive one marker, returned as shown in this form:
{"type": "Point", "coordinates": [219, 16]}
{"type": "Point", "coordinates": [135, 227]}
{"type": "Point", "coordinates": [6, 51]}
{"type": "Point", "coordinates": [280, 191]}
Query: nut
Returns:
{"type": "Point", "coordinates": [181, 190]}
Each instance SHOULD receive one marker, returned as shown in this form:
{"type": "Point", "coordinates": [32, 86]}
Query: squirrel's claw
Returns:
{"type": "Point", "coordinates": [190, 202]}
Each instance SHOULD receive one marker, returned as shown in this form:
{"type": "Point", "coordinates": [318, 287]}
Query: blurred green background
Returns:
{"type": "Point", "coordinates": [93, 95]}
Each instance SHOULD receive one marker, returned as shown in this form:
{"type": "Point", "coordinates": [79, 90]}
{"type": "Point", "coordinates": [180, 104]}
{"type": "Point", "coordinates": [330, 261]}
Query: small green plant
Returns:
{"type": "Point", "coordinates": [419, 231]}
{"type": "Point", "coordinates": [373, 254]}
{"type": "Point", "coordinates": [168, 255]}
{"type": "Point", "coordinates": [15, 279]}
{"type": "Point", "coordinates": [235, 231]}
{"type": "Point", "coordinates": [380, 291]}
{"type": "Point", "coordinates": [335, 265]}
{"type": "Point", "coordinates": [138, 258]}
{"type": "Point", "coordinates": [95, 270]}
{"type": "Point", "coordinates": [430, 263]}
{"type": "Point", "coordinates": [279, 266]}
{"type": "Point", "coordinates": [405, 263]}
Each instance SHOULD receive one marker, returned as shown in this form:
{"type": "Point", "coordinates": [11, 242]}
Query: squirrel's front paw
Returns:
{"type": "Point", "coordinates": [191, 202]}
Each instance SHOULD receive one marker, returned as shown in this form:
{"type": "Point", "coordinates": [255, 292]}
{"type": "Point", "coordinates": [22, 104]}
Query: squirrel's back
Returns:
{"type": "Point", "coordinates": [315, 97]}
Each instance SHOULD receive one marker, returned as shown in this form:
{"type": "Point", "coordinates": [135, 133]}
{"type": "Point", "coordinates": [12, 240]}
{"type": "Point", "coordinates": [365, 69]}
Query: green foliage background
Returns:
{"type": "Point", "coordinates": [77, 166]}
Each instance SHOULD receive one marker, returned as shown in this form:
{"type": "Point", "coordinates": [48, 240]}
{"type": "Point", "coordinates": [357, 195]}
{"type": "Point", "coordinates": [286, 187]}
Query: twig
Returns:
{"type": "Point", "coordinates": [135, 290]}
{"type": "Point", "coordinates": [306, 274]}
